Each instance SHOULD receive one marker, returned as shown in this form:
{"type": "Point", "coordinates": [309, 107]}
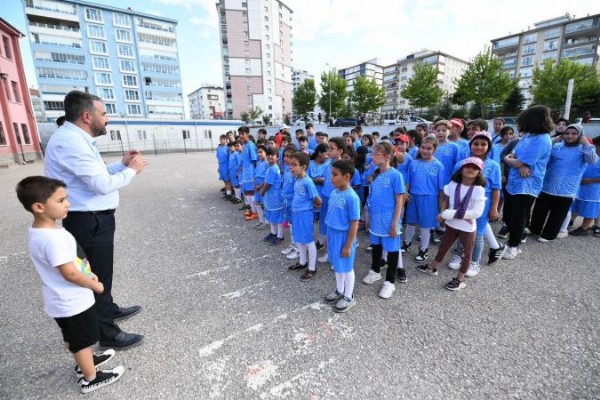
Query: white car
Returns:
{"type": "Point", "coordinates": [302, 121]}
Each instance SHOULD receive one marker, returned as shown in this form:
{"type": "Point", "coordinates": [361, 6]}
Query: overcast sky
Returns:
{"type": "Point", "coordinates": [342, 33]}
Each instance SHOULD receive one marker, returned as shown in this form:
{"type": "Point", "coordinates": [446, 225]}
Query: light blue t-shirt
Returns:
{"type": "Point", "coordinates": [287, 186]}
{"type": "Point", "coordinates": [272, 198]}
{"type": "Point", "coordinates": [403, 168]}
{"type": "Point", "coordinates": [413, 152]}
{"type": "Point", "coordinates": [317, 171]}
{"type": "Point", "coordinates": [533, 151]}
{"type": "Point", "coordinates": [566, 167]}
{"type": "Point", "coordinates": [223, 155]}
{"type": "Point", "coordinates": [260, 172]}
{"type": "Point", "coordinates": [234, 162]}
{"type": "Point", "coordinates": [312, 142]}
{"type": "Point", "coordinates": [356, 181]}
{"type": "Point", "coordinates": [382, 201]}
{"type": "Point", "coordinates": [327, 185]}
{"type": "Point", "coordinates": [343, 208]}
{"type": "Point", "coordinates": [426, 177]}
{"type": "Point", "coordinates": [591, 191]}
{"type": "Point", "coordinates": [447, 154]}
{"type": "Point", "coordinates": [249, 157]}
{"type": "Point", "coordinates": [304, 194]}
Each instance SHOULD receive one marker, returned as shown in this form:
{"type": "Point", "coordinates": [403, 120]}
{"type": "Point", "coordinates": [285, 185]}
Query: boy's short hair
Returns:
{"type": "Point", "coordinates": [321, 134]}
{"type": "Point", "coordinates": [499, 119]}
{"type": "Point", "coordinates": [375, 134]}
{"type": "Point", "coordinates": [231, 144]}
{"type": "Point", "coordinates": [271, 138]}
{"type": "Point", "coordinates": [263, 131]}
{"type": "Point", "coordinates": [261, 141]}
{"type": "Point", "coordinates": [505, 129]}
{"type": "Point", "coordinates": [346, 167]}
{"type": "Point", "coordinates": [269, 151]}
{"type": "Point", "coordinates": [480, 122]}
{"type": "Point", "coordinates": [37, 189]}
{"type": "Point", "coordinates": [308, 126]}
{"type": "Point", "coordinates": [302, 139]}
{"type": "Point", "coordinates": [244, 129]}
{"type": "Point", "coordinates": [301, 157]}
{"type": "Point", "coordinates": [223, 137]}
{"type": "Point", "coordinates": [596, 141]}
{"type": "Point", "coordinates": [286, 138]}
{"type": "Point", "coordinates": [300, 130]}
{"type": "Point", "coordinates": [444, 122]}
{"type": "Point", "coordinates": [290, 148]}
{"type": "Point", "coordinates": [346, 133]}
{"type": "Point", "coordinates": [261, 147]}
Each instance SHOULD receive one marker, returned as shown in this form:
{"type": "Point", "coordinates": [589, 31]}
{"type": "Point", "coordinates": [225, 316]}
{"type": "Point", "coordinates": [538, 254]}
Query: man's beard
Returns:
{"type": "Point", "coordinates": [99, 130]}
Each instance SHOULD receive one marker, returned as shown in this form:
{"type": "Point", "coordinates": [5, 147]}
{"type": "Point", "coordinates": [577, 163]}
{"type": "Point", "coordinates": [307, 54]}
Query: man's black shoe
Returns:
{"type": "Point", "coordinates": [126, 312]}
{"type": "Point", "coordinates": [122, 341]}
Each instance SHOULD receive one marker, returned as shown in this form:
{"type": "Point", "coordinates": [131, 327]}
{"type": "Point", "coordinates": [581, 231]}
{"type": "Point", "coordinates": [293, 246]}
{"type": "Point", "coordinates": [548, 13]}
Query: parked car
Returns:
{"type": "Point", "coordinates": [345, 122]}
{"type": "Point", "coordinates": [302, 121]}
{"type": "Point", "coordinates": [592, 128]}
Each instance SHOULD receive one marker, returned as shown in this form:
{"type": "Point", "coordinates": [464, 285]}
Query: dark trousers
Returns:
{"type": "Point", "coordinates": [517, 210]}
{"type": "Point", "coordinates": [392, 262]}
{"type": "Point", "coordinates": [548, 215]}
{"type": "Point", "coordinates": [467, 240]}
{"type": "Point", "coordinates": [95, 234]}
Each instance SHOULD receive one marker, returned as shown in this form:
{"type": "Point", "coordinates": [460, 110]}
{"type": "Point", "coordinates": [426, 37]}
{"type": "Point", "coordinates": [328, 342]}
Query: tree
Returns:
{"type": "Point", "coordinates": [334, 85]}
{"type": "Point", "coordinates": [245, 116]}
{"type": "Point", "coordinates": [422, 90]}
{"type": "Point", "coordinates": [255, 113]}
{"type": "Point", "coordinates": [367, 95]}
{"type": "Point", "coordinates": [514, 102]}
{"type": "Point", "coordinates": [550, 86]}
{"type": "Point", "coordinates": [305, 97]}
{"type": "Point", "coordinates": [484, 82]}
{"type": "Point", "coordinates": [445, 110]}
{"type": "Point", "coordinates": [266, 120]}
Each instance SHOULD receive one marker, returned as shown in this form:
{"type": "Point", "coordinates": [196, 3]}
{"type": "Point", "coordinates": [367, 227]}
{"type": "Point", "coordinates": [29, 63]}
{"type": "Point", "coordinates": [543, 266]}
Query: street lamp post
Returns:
{"type": "Point", "coordinates": [329, 79]}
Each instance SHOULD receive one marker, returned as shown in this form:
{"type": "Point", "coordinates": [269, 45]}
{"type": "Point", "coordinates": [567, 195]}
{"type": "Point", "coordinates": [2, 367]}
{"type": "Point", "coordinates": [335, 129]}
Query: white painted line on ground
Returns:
{"type": "Point", "coordinates": [223, 268]}
{"type": "Point", "coordinates": [242, 291]}
{"type": "Point", "coordinates": [307, 377]}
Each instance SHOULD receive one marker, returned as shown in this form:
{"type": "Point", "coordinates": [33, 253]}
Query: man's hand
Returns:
{"type": "Point", "coordinates": [129, 156]}
{"type": "Point", "coordinates": [138, 163]}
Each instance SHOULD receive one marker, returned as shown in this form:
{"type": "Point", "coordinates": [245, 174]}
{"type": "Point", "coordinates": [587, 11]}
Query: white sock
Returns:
{"type": "Point", "coordinates": [312, 256]}
{"type": "Point", "coordinates": [349, 284]}
{"type": "Point", "coordinates": [339, 282]}
{"type": "Point", "coordinates": [302, 251]}
{"type": "Point", "coordinates": [384, 255]}
{"type": "Point", "coordinates": [280, 230]}
{"type": "Point", "coordinates": [400, 265]}
{"type": "Point", "coordinates": [565, 225]}
{"type": "Point", "coordinates": [261, 213]}
{"type": "Point", "coordinates": [238, 193]}
{"type": "Point", "coordinates": [425, 236]}
{"type": "Point", "coordinates": [252, 203]}
{"type": "Point", "coordinates": [488, 234]}
{"type": "Point", "coordinates": [228, 192]}
{"type": "Point", "coordinates": [273, 229]}
{"type": "Point", "coordinates": [410, 233]}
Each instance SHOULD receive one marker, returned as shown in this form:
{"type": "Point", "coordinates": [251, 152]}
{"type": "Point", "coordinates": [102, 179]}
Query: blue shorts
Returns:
{"type": "Point", "coordinates": [303, 227]}
{"type": "Point", "coordinates": [257, 197]}
{"type": "Point", "coordinates": [248, 186]}
{"type": "Point", "coordinates": [274, 216]}
{"type": "Point", "coordinates": [234, 179]}
{"type": "Point", "coordinates": [423, 210]}
{"type": "Point", "coordinates": [224, 173]}
{"type": "Point", "coordinates": [323, 215]}
{"type": "Point", "coordinates": [389, 244]}
{"type": "Point", "coordinates": [336, 240]}
{"type": "Point", "coordinates": [287, 210]}
{"type": "Point", "coordinates": [586, 209]}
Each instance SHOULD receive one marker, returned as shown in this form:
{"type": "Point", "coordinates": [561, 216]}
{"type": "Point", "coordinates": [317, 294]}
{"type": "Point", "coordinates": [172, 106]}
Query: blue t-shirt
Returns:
{"type": "Point", "coordinates": [327, 185]}
{"type": "Point", "coordinates": [426, 177]}
{"type": "Point", "coordinates": [223, 155]}
{"type": "Point", "coordinates": [356, 181]}
{"type": "Point", "coordinates": [287, 186]}
{"type": "Point", "coordinates": [413, 152]}
{"type": "Point", "coordinates": [234, 162]}
{"type": "Point", "coordinates": [317, 171]}
{"type": "Point", "coordinates": [343, 208]}
{"type": "Point", "coordinates": [492, 174]}
{"type": "Point", "coordinates": [566, 167]}
{"type": "Point", "coordinates": [312, 142]}
{"type": "Point", "coordinates": [382, 201]}
{"type": "Point", "coordinates": [366, 174]}
{"type": "Point", "coordinates": [403, 168]}
{"type": "Point", "coordinates": [260, 172]}
{"type": "Point", "coordinates": [591, 191]}
{"type": "Point", "coordinates": [447, 154]}
{"type": "Point", "coordinates": [304, 193]}
{"type": "Point", "coordinates": [272, 198]}
{"type": "Point", "coordinates": [533, 151]}
{"type": "Point", "coordinates": [249, 157]}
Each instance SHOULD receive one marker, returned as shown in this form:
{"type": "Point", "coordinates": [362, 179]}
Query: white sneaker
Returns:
{"type": "Point", "coordinates": [511, 253]}
{"type": "Point", "coordinates": [562, 234]}
{"type": "Point", "coordinates": [455, 262]}
{"type": "Point", "coordinates": [473, 270]}
{"type": "Point", "coordinates": [293, 255]}
{"type": "Point", "coordinates": [287, 250]}
{"type": "Point", "coordinates": [371, 277]}
{"type": "Point", "coordinates": [527, 231]}
{"type": "Point", "coordinates": [542, 240]}
{"type": "Point", "coordinates": [323, 258]}
{"type": "Point", "coordinates": [387, 290]}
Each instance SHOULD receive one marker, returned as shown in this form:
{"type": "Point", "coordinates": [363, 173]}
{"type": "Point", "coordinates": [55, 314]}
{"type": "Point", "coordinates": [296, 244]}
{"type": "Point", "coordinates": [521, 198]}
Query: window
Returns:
{"type": "Point", "coordinates": [110, 108]}
{"type": "Point", "coordinates": [552, 33]}
{"type": "Point", "coordinates": [96, 31]}
{"type": "Point", "coordinates": [121, 20]}
{"type": "Point", "coordinates": [103, 78]}
{"type": "Point", "coordinates": [123, 35]}
{"type": "Point", "coordinates": [248, 70]}
{"type": "Point", "coordinates": [54, 105]}
{"type": "Point", "coordinates": [141, 134]}
{"type": "Point", "coordinates": [134, 109]}
{"type": "Point", "coordinates": [185, 133]}
{"type": "Point", "coordinates": [15, 88]}
{"type": "Point", "coordinates": [115, 135]}
{"type": "Point", "coordinates": [527, 61]}
{"type": "Point", "coordinates": [132, 95]}
{"type": "Point", "coordinates": [129, 80]}
{"type": "Point", "coordinates": [2, 135]}
{"type": "Point", "coordinates": [26, 136]}
{"type": "Point", "coordinates": [528, 49]}
{"type": "Point", "coordinates": [127, 65]}
{"type": "Point", "coordinates": [550, 45]}
{"type": "Point", "coordinates": [125, 50]}
{"type": "Point", "coordinates": [531, 38]}
{"type": "Point", "coordinates": [97, 47]}
{"type": "Point", "coordinates": [106, 94]}
{"type": "Point", "coordinates": [101, 63]}
{"type": "Point", "coordinates": [92, 14]}
{"type": "Point", "coordinates": [7, 49]}
{"type": "Point", "coordinates": [551, 55]}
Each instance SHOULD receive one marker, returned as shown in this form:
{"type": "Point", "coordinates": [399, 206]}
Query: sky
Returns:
{"type": "Point", "coordinates": [341, 33]}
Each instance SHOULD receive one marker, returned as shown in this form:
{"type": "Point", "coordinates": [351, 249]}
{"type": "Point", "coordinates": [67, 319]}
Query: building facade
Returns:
{"type": "Point", "coordinates": [396, 76]}
{"type": "Point", "coordinates": [298, 78]}
{"type": "Point", "coordinates": [368, 69]}
{"type": "Point", "coordinates": [576, 39]}
{"type": "Point", "coordinates": [128, 58]}
{"type": "Point", "coordinates": [19, 139]}
{"type": "Point", "coordinates": [38, 105]}
{"type": "Point", "coordinates": [207, 102]}
{"type": "Point", "coordinates": [256, 51]}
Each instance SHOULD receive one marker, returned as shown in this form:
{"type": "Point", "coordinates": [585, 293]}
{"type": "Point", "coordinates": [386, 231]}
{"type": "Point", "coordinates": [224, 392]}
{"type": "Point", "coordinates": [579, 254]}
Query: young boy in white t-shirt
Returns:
{"type": "Point", "coordinates": [68, 296]}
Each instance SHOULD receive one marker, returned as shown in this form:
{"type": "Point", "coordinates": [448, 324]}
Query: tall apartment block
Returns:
{"type": "Point", "coordinates": [298, 78]}
{"type": "Point", "coordinates": [126, 57]}
{"type": "Point", "coordinates": [576, 39]}
{"type": "Point", "coordinates": [368, 69]}
{"type": "Point", "coordinates": [207, 102]}
{"type": "Point", "coordinates": [256, 50]}
{"type": "Point", "coordinates": [396, 76]}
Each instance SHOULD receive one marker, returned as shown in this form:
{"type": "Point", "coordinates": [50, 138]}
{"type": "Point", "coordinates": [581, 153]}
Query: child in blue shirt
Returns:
{"type": "Point", "coordinates": [271, 193]}
{"type": "Point", "coordinates": [305, 199]}
{"type": "Point", "coordinates": [287, 193]}
{"type": "Point", "coordinates": [223, 160]}
{"type": "Point", "coordinates": [259, 178]}
{"type": "Point", "coordinates": [402, 159]}
{"type": "Point", "coordinates": [446, 151]}
{"type": "Point", "coordinates": [342, 226]}
{"type": "Point", "coordinates": [249, 160]}
{"type": "Point", "coordinates": [386, 199]}
{"type": "Point", "coordinates": [234, 167]}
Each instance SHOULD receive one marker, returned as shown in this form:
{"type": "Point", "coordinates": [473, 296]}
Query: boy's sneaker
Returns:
{"type": "Point", "coordinates": [524, 238]}
{"type": "Point", "coordinates": [435, 238]}
{"type": "Point", "coordinates": [473, 269]}
{"type": "Point", "coordinates": [293, 255]}
{"type": "Point", "coordinates": [511, 253]}
{"type": "Point", "coordinates": [401, 275]}
{"type": "Point", "coordinates": [455, 262]}
{"type": "Point", "coordinates": [455, 284]}
{"type": "Point", "coordinates": [235, 200]}
{"type": "Point", "coordinates": [344, 304]}
{"type": "Point", "coordinates": [596, 230]}
{"type": "Point", "coordinates": [269, 237]}
{"type": "Point", "coordinates": [422, 256]}
{"type": "Point", "coordinates": [371, 277]}
{"type": "Point", "coordinates": [405, 247]}
{"type": "Point", "coordinates": [503, 232]}
{"type": "Point", "coordinates": [288, 250]}
{"type": "Point", "coordinates": [564, 234]}
{"type": "Point", "coordinates": [323, 259]}
{"type": "Point", "coordinates": [252, 217]}
{"type": "Point", "coordinates": [276, 241]}
{"type": "Point", "coordinates": [244, 207]}
{"type": "Point", "coordinates": [424, 268]}
{"type": "Point", "coordinates": [99, 360]}
{"type": "Point", "coordinates": [496, 254]}
{"type": "Point", "coordinates": [307, 275]}
{"type": "Point", "coordinates": [527, 231]}
{"type": "Point", "coordinates": [387, 290]}
{"type": "Point", "coordinates": [297, 267]}
{"type": "Point", "coordinates": [333, 297]}
{"type": "Point", "coordinates": [319, 246]}
{"type": "Point", "coordinates": [581, 232]}
{"type": "Point", "coordinates": [103, 378]}
{"type": "Point", "coordinates": [247, 213]}
{"type": "Point", "coordinates": [369, 248]}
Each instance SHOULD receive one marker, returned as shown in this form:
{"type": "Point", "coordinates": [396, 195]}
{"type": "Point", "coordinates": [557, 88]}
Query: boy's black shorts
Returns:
{"type": "Point", "coordinates": [81, 330]}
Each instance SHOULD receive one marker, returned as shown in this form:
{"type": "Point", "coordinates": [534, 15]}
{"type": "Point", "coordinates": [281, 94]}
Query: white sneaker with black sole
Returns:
{"type": "Point", "coordinates": [323, 259]}
{"type": "Point", "coordinates": [293, 255]}
{"type": "Point", "coordinates": [103, 378]}
{"type": "Point", "coordinates": [455, 262]}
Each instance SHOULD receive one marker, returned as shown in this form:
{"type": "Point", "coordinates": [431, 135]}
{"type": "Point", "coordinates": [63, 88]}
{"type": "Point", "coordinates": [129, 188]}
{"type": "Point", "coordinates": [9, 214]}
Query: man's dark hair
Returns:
{"type": "Point", "coordinates": [76, 103]}
{"type": "Point", "coordinates": [37, 189]}
{"type": "Point", "coordinates": [535, 119]}
{"type": "Point", "coordinates": [60, 121]}
{"type": "Point", "coordinates": [322, 134]}
{"type": "Point", "coordinates": [302, 139]}
{"type": "Point", "coordinates": [263, 131]}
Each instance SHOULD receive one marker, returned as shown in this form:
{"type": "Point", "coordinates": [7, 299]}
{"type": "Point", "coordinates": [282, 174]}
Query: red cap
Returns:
{"type": "Point", "coordinates": [404, 138]}
{"type": "Point", "coordinates": [457, 122]}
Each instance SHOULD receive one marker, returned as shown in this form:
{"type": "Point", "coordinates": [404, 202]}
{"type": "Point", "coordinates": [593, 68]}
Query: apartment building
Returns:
{"type": "Point", "coordinates": [256, 50]}
{"type": "Point", "coordinates": [369, 69]}
{"type": "Point", "coordinates": [207, 102]}
{"type": "Point", "coordinates": [128, 58]}
{"type": "Point", "coordinates": [298, 78]}
{"type": "Point", "coordinates": [396, 76]}
{"type": "Point", "coordinates": [564, 37]}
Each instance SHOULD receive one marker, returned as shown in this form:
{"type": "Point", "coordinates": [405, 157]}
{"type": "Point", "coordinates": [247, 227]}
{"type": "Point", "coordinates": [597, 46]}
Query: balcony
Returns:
{"type": "Point", "coordinates": [54, 30]}
{"type": "Point", "coordinates": [505, 44]}
{"type": "Point", "coordinates": [581, 27]}
{"type": "Point", "coordinates": [66, 13]}
{"type": "Point", "coordinates": [580, 41]}
{"type": "Point", "coordinates": [578, 51]}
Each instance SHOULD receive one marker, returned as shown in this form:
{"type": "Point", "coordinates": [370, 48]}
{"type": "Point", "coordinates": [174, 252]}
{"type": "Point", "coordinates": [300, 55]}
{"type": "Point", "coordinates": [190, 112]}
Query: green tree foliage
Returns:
{"type": "Point", "coordinates": [422, 90]}
{"type": "Point", "coordinates": [514, 102]}
{"type": "Point", "coordinates": [266, 120]}
{"type": "Point", "coordinates": [305, 97]}
{"type": "Point", "coordinates": [332, 83]}
{"type": "Point", "coordinates": [445, 110]}
{"type": "Point", "coordinates": [550, 86]}
{"type": "Point", "coordinates": [367, 95]}
{"type": "Point", "coordinates": [255, 113]}
{"type": "Point", "coordinates": [484, 82]}
{"type": "Point", "coordinates": [245, 116]}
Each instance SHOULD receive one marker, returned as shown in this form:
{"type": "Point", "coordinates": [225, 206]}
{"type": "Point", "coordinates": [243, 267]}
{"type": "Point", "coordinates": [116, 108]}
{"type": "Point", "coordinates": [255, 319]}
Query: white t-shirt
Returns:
{"type": "Point", "coordinates": [474, 208]}
{"type": "Point", "coordinates": [50, 248]}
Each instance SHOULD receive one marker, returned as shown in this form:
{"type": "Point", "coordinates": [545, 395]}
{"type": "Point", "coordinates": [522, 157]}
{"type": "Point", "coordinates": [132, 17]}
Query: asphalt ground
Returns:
{"type": "Point", "coordinates": [223, 318]}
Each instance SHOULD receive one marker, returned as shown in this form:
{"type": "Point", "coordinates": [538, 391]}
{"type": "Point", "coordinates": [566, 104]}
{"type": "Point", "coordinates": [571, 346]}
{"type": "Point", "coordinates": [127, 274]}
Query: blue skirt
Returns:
{"type": "Point", "coordinates": [234, 178]}
{"type": "Point", "coordinates": [224, 172]}
{"type": "Point", "coordinates": [274, 216]}
{"type": "Point", "coordinates": [323, 215]}
{"type": "Point", "coordinates": [303, 227]}
{"type": "Point", "coordinates": [423, 210]}
{"type": "Point", "coordinates": [336, 240]}
{"type": "Point", "coordinates": [586, 209]}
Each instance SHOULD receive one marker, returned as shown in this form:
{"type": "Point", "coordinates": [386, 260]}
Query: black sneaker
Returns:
{"type": "Point", "coordinates": [319, 246]}
{"type": "Point", "coordinates": [308, 275]}
{"type": "Point", "coordinates": [401, 275]}
{"type": "Point", "coordinates": [405, 247]}
{"type": "Point", "coordinates": [103, 378]}
{"type": "Point", "coordinates": [99, 360]}
{"type": "Point", "coordinates": [424, 268]}
{"type": "Point", "coordinates": [455, 284]}
{"type": "Point", "coordinates": [496, 254]}
{"type": "Point", "coordinates": [434, 237]}
{"type": "Point", "coordinates": [423, 255]}
{"type": "Point", "coordinates": [235, 200]}
{"type": "Point", "coordinates": [503, 232]}
{"type": "Point", "coordinates": [244, 207]}
{"type": "Point", "coordinates": [581, 232]}
{"type": "Point", "coordinates": [297, 267]}
{"type": "Point", "coordinates": [269, 237]}
{"type": "Point", "coordinates": [596, 230]}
